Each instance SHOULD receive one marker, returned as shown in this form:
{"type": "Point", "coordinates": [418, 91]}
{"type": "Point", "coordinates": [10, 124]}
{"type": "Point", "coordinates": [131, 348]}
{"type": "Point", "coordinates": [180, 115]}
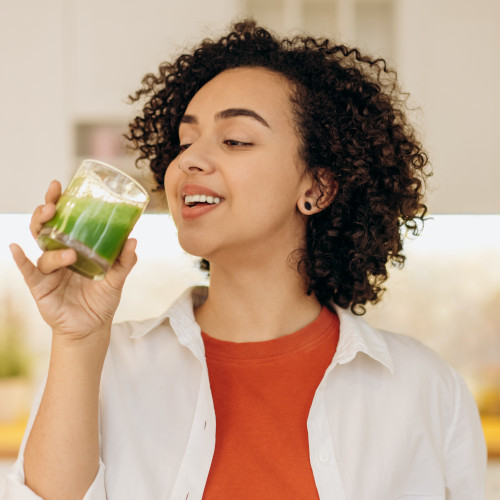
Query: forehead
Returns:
{"type": "Point", "coordinates": [255, 88]}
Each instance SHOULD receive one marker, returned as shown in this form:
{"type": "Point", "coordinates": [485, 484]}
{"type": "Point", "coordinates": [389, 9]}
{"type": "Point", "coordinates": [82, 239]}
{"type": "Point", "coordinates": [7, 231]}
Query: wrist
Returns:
{"type": "Point", "coordinates": [94, 345]}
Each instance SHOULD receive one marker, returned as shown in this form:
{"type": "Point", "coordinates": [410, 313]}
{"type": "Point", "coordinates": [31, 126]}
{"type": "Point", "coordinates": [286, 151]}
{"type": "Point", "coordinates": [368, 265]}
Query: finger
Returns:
{"type": "Point", "coordinates": [53, 192]}
{"type": "Point", "coordinates": [29, 271]}
{"type": "Point", "coordinates": [44, 213]}
{"type": "Point", "coordinates": [41, 215]}
{"type": "Point", "coordinates": [56, 259]}
{"type": "Point", "coordinates": [127, 258]}
{"type": "Point", "coordinates": [126, 261]}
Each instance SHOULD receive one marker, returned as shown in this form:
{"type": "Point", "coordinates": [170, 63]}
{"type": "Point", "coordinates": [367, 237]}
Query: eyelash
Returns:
{"type": "Point", "coordinates": [237, 143]}
{"type": "Point", "coordinates": [229, 142]}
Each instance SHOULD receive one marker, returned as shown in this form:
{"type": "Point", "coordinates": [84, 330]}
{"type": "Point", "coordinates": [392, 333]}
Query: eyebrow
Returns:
{"type": "Point", "coordinates": [229, 113]}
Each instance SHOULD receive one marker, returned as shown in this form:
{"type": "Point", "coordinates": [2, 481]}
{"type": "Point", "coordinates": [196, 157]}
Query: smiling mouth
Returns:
{"type": "Point", "coordinates": [201, 199]}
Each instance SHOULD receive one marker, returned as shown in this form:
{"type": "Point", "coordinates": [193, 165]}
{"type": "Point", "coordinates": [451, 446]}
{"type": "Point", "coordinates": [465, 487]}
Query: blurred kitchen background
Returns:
{"type": "Point", "coordinates": [68, 67]}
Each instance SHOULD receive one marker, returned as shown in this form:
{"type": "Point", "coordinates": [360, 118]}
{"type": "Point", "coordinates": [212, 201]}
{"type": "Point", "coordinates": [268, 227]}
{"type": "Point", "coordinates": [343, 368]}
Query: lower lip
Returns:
{"type": "Point", "coordinates": [197, 210]}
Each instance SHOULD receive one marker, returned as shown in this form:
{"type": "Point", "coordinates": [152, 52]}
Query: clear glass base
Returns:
{"type": "Point", "coordinates": [88, 263]}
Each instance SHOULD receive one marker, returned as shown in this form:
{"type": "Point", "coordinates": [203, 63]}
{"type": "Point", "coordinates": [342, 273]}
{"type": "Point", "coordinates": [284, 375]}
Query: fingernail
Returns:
{"type": "Point", "coordinates": [66, 254]}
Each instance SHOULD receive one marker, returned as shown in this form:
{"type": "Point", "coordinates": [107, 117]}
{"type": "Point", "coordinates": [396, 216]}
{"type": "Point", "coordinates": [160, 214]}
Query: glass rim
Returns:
{"type": "Point", "coordinates": [118, 171]}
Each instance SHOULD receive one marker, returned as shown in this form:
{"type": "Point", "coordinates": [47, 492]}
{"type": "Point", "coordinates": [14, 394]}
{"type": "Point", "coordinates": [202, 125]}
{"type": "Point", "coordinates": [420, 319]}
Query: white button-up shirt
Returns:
{"type": "Point", "coordinates": [389, 420]}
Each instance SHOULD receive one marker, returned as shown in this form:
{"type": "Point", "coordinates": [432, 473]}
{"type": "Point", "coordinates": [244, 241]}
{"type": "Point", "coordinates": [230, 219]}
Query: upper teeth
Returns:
{"type": "Point", "coordinates": [195, 198]}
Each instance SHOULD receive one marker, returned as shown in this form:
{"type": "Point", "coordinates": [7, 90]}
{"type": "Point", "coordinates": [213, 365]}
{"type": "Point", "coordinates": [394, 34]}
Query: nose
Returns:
{"type": "Point", "coordinates": [196, 159]}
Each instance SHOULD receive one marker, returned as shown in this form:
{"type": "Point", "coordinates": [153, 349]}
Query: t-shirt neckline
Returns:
{"type": "Point", "coordinates": [305, 338]}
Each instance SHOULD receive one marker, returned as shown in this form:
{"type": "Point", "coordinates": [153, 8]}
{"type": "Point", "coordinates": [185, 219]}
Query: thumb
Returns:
{"type": "Point", "coordinates": [28, 269]}
{"type": "Point", "coordinates": [121, 268]}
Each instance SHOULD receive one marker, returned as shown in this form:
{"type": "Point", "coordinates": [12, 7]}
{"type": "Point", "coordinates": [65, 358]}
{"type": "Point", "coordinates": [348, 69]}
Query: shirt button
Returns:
{"type": "Point", "coordinates": [324, 457]}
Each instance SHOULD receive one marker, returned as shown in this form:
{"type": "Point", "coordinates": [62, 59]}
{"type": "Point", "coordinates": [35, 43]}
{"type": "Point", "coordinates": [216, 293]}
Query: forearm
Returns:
{"type": "Point", "coordinates": [62, 453]}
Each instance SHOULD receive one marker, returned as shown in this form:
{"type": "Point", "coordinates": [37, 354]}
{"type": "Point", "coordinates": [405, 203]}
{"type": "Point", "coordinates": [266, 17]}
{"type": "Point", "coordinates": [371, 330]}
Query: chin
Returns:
{"type": "Point", "coordinates": [193, 247]}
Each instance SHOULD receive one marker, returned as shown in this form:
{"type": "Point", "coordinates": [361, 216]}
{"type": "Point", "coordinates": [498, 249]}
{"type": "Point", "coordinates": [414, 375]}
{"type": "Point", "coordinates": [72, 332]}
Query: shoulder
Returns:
{"type": "Point", "coordinates": [418, 365]}
{"type": "Point", "coordinates": [441, 397]}
{"type": "Point", "coordinates": [395, 362]}
{"type": "Point", "coordinates": [401, 353]}
{"type": "Point", "coordinates": [404, 373]}
{"type": "Point", "coordinates": [422, 407]}
{"type": "Point", "coordinates": [424, 376]}
{"type": "Point", "coordinates": [410, 354]}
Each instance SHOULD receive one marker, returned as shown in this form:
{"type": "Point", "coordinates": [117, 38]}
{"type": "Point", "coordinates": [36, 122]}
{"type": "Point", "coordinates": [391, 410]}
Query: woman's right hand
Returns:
{"type": "Point", "coordinates": [74, 307]}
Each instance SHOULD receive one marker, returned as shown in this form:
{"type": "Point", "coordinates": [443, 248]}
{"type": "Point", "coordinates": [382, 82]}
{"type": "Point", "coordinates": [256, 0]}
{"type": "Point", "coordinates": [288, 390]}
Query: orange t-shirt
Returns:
{"type": "Point", "coordinates": [262, 393]}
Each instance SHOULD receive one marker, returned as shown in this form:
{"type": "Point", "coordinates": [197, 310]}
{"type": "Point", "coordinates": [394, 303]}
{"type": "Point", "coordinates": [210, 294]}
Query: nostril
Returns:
{"type": "Point", "coordinates": [189, 162]}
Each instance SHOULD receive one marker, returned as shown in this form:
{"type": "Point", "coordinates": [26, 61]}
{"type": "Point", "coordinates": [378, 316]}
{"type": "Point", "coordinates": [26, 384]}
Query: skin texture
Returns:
{"type": "Point", "coordinates": [248, 239]}
{"type": "Point", "coordinates": [344, 124]}
{"type": "Point", "coordinates": [351, 117]}
{"type": "Point", "coordinates": [62, 453]}
{"type": "Point", "coordinates": [255, 167]}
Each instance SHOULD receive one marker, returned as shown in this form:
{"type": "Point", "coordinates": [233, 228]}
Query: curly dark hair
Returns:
{"type": "Point", "coordinates": [353, 134]}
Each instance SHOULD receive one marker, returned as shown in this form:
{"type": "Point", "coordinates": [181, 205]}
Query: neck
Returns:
{"type": "Point", "coordinates": [255, 303]}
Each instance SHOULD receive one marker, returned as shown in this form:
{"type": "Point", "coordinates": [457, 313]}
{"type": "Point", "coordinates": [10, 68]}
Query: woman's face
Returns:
{"type": "Point", "coordinates": [239, 148]}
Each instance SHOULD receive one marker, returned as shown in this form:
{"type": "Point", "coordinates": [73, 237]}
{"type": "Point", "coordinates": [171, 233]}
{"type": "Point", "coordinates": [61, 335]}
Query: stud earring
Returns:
{"type": "Point", "coordinates": [307, 206]}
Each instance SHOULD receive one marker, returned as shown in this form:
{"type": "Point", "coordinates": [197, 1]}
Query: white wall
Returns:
{"type": "Point", "coordinates": [115, 42]}
{"type": "Point", "coordinates": [448, 56]}
{"type": "Point", "coordinates": [68, 60]}
{"type": "Point", "coordinates": [64, 61]}
{"type": "Point", "coordinates": [33, 101]}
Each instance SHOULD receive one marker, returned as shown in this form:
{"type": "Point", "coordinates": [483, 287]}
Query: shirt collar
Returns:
{"type": "Point", "coordinates": [355, 334]}
{"type": "Point", "coordinates": [181, 317]}
{"type": "Point", "coordinates": [358, 336]}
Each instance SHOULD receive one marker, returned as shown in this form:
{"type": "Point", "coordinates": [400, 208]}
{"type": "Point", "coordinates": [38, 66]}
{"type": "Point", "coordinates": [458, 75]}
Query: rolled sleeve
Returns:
{"type": "Point", "coordinates": [14, 487]}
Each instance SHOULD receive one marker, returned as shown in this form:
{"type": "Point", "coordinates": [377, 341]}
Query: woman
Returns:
{"type": "Point", "coordinates": [290, 168]}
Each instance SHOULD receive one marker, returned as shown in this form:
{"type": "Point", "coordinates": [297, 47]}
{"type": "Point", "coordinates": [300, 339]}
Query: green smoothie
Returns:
{"type": "Point", "coordinates": [96, 229]}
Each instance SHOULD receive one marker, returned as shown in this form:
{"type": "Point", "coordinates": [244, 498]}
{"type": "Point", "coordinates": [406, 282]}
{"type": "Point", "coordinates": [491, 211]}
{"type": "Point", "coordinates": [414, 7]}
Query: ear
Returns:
{"type": "Point", "coordinates": [318, 193]}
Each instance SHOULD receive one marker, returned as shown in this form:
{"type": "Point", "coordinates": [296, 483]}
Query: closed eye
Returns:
{"type": "Point", "coordinates": [234, 143]}
{"type": "Point", "coordinates": [229, 142]}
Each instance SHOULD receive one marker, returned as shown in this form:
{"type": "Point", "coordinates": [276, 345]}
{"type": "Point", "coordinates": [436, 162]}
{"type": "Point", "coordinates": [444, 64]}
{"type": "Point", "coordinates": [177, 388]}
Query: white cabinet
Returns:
{"type": "Point", "coordinates": [34, 127]}
{"type": "Point", "coordinates": [70, 64]}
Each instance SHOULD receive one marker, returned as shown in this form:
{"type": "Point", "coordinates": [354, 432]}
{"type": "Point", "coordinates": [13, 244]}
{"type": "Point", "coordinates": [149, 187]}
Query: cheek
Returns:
{"type": "Point", "coordinates": [171, 178]}
{"type": "Point", "coordinates": [171, 182]}
{"type": "Point", "coordinates": [266, 200]}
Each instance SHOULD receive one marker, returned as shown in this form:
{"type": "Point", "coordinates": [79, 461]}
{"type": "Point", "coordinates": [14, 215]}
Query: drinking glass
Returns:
{"type": "Point", "coordinates": [95, 216]}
